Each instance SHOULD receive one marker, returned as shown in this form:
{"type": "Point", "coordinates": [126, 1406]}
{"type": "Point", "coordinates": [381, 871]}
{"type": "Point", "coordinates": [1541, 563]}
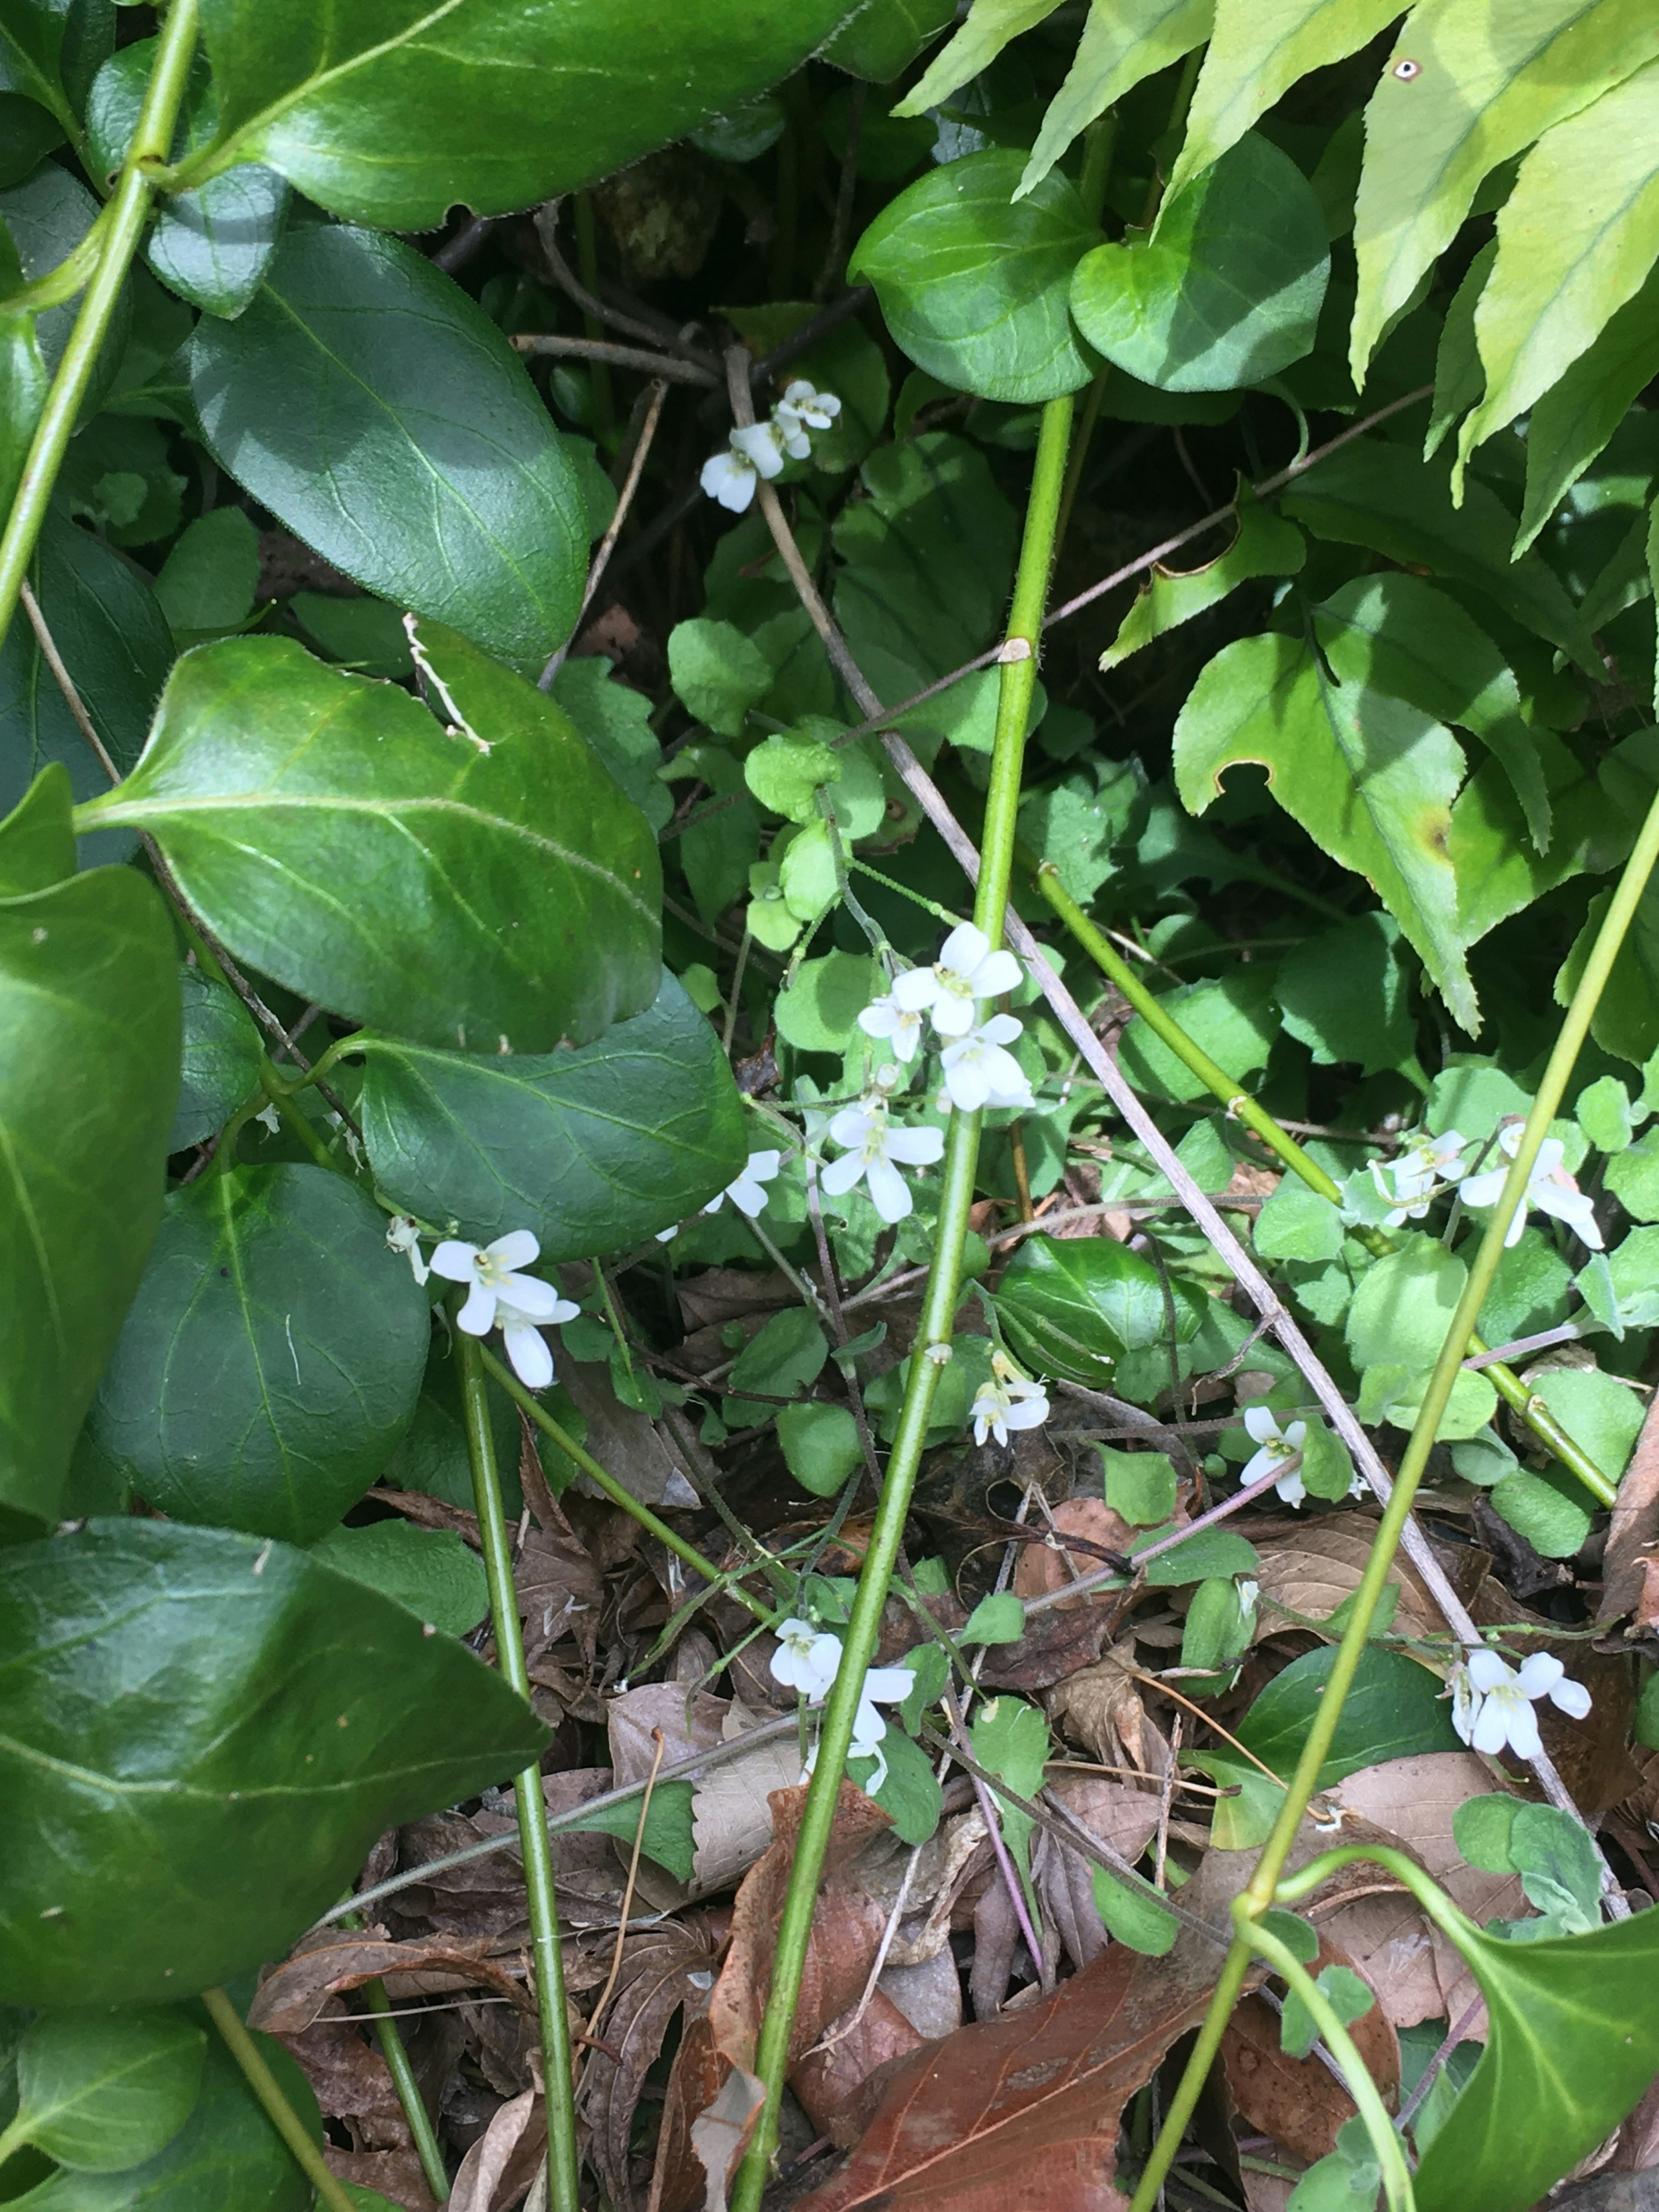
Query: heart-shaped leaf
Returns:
{"type": "Point", "coordinates": [516, 889]}
{"type": "Point", "coordinates": [1073, 1306]}
{"type": "Point", "coordinates": [1226, 291]}
{"type": "Point", "coordinates": [272, 1356]}
{"type": "Point", "coordinates": [364, 400]}
{"type": "Point", "coordinates": [972, 284]}
{"type": "Point", "coordinates": [205, 1732]}
{"type": "Point", "coordinates": [104, 2090]}
{"type": "Point", "coordinates": [391, 114]}
{"type": "Point", "coordinates": [88, 982]}
{"type": "Point", "coordinates": [593, 1148]}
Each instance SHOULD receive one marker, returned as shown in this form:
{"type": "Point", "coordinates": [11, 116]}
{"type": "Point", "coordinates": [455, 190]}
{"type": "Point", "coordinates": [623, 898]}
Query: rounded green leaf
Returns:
{"type": "Point", "coordinates": [972, 284]}
{"type": "Point", "coordinates": [821, 1446]}
{"type": "Point", "coordinates": [593, 1148]}
{"type": "Point", "coordinates": [515, 891]}
{"type": "Point", "coordinates": [432, 1571]}
{"type": "Point", "coordinates": [1226, 291]}
{"type": "Point", "coordinates": [88, 1069]}
{"type": "Point", "coordinates": [393, 114]}
{"type": "Point", "coordinates": [1395, 1709]}
{"type": "Point", "coordinates": [37, 838]}
{"type": "Point", "coordinates": [205, 1732]}
{"type": "Point", "coordinates": [104, 2090]}
{"type": "Point", "coordinates": [369, 404]}
{"type": "Point", "coordinates": [1072, 1306]}
{"type": "Point", "coordinates": [45, 217]}
{"type": "Point", "coordinates": [272, 1356]}
{"type": "Point", "coordinates": [221, 1060]}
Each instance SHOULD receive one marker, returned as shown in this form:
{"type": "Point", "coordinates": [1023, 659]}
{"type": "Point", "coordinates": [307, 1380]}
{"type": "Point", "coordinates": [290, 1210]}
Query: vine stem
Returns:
{"type": "Point", "coordinates": [1270, 1867]}
{"type": "Point", "coordinates": [938, 1308]}
{"type": "Point", "coordinates": [392, 2050]}
{"type": "Point", "coordinates": [563, 2171]}
{"type": "Point", "coordinates": [125, 216]}
{"type": "Point", "coordinates": [1241, 1107]}
{"type": "Point", "coordinates": [330, 2190]}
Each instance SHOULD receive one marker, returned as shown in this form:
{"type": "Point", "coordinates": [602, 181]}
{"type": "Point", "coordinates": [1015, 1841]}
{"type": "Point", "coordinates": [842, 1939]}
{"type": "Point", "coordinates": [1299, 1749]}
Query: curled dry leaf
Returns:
{"type": "Point", "coordinates": [1120, 1814]}
{"type": "Point", "coordinates": [665, 1970]}
{"type": "Point", "coordinates": [1299, 2102]}
{"type": "Point", "coordinates": [501, 2165]}
{"type": "Point", "coordinates": [294, 1994]}
{"type": "Point", "coordinates": [1101, 1708]}
{"type": "Point", "coordinates": [1043, 1568]}
{"type": "Point", "coordinates": [731, 1809]}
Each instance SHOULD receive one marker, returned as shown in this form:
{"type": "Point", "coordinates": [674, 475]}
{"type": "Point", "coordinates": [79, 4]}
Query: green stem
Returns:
{"type": "Point", "coordinates": [70, 276]}
{"type": "Point", "coordinates": [128, 209]}
{"type": "Point", "coordinates": [409, 2093]}
{"type": "Point", "coordinates": [1270, 1867]}
{"type": "Point", "coordinates": [527, 1403]}
{"type": "Point", "coordinates": [940, 1300]}
{"type": "Point", "coordinates": [1241, 1107]}
{"type": "Point", "coordinates": [269, 2090]}
{"type": "Point", "coordinates": [1385, 2140]}
{"type": "Point", "coordinates": [563, 2172]}
{"type": "Point", "coordinates": [294, 1120]}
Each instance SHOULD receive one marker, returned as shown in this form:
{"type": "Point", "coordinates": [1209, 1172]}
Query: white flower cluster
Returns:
{"type": "Point", "coordinates": [498, 1297]}
{"type": "Point", "coordinates": [1492, 1703]}
{"type": "Point", "coordinates": [761, 449]}
{"type": "Point", "coordinates": [808, 1661]}
{"type": "Point", "coordinates": [979, 1070]}
{"type": "Point", "coordinates": [1427, 1166]}
{"type": "Point", "coordinates": [1007, 1401]}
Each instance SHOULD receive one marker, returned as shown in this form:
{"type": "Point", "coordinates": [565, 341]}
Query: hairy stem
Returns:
{"type": "Point", "coordinates": [564, 2182]}
{"type": "Point", "coordinates": [125, 216]}
{"type": "Point", "coordinates": [938, 1308]}
{"type": "Point", "coordinates": [267, 2090]}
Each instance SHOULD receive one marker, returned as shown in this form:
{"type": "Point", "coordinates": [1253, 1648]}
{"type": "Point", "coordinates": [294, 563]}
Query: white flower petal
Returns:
{"type": "Point", "coordinates": [1027, 1413]}
{"type": "Point", "coordinates": [964, 948]}
{"type": "Point", "coordinates": [1260, 1424]}
{"type": "Point", "coordinates": [997, 973]}
{"type": "Point", "coordinates": [889, 1192]}
{"type": "Point", "coordinates": [535, 1299]}
{"type": "Point", "coordinates": [1485, 1188]}
{"type": "Point", "coordinates": [839, 1177]}
{"type": "Point", "coordinates": [760, 444]}
{"type": "Point", "coordinates": [965, 1080]}
{"type": "Point", "coordinates": [1524, 1739]}
{"type": "Point", "coordinates": [916, 1148]}
{"type": "Point", "coordinates": [1487, 1672]}
{"type": "Point", "coordinates": [915, 990]}
{"type": "Point", "coordinates": [527, 1351]}
{"type": "Point", "coordinates": [1490, 1730]}
{"type": "Point", "coordinates": [953, 1014]}
{"type": "Point", "coordinates": [514, 1250]}
{"type": "Point", "coordinates": [1254, 1469]}
{"type": "Point", "coordinates": [1571, 1698]}
{"type": "Point", "coordinates": [1539, 1675]}
{"type": "Point", "coordinates": [851, 1126]}
{"type": "Point", "coordinates": [477, 1315]}
{"type": "Point", "coordinates": [455, 1262]}
{"type": "Point", "coordinates": [1291, 1490]}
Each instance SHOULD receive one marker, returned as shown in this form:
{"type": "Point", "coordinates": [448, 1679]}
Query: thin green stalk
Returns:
{"type": "Point", "coordinates": [563, 2171]}
{"type": "Point", "coordinates": [267, 2090]}
{"type": "Point", "coordinates": [1241, 1107]}
{"type": "Point", "coordinates": [294, 1120]}
{"type": "Point", "coordinates": [940, 1300]}
{"type": "Point", "coordinates": [528, 1403]}
{"type": "Point", "coordinates": [125, 216]}
{"type": "Point", "coordinates": [409, 2093]}
{"type": "Point", "coordinates": [1270, 1867]}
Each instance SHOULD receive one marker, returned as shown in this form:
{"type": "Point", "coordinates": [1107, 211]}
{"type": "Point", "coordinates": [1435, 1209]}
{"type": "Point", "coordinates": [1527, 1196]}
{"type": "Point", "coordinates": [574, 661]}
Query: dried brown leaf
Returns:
{"type": "Point", "coordinates": [730, 1810]}
{"type": "Point", "coordinates": [625, 1443]}
{"type": "Point", "coordinates": [1120, 1814]}
{"type": "Point", "coordinates": [1101, 1708]}
{"type": "Point", "coordinates": [501, 2165]}
{"type": "Point", "coordinates": [1313, 1569]}
{"type": "Point", "coordinates": [836, 2083]}
{"type": "Point", "coordinates": [663, 1969]}
{"type": "Point", "coordinates": [1630, 1575]}
{"type": "Point", "coordinates": [1043, 1568]}
{"type": "Point", "coordinates": [295, 1993]}
{"type": "Point", "coordinates": [394, 2174]}
{"type": "Point", "coordinates": [1298, 2101]}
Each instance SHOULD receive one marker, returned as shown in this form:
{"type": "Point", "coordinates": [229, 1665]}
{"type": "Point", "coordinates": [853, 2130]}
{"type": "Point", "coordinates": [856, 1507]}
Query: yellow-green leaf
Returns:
{"type": "Point", "coordinates": [1123, 42]}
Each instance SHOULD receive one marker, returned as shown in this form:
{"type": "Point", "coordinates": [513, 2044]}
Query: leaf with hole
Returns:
{"type": "Point", "coordinates": [591, 1149]}
{"type": "Point", "coordinates": [372, 407]}
{"type": "Point", "coordinates": [204, 1734]}
{"type": "Point", "coordinates": [1227, 289]}
{"type": "Point", "coordinates": [515, 888]}
{"type": "Point", "coordinates": [1266, 545]}
{"type": "Point", "coordinates": [272, 1356]}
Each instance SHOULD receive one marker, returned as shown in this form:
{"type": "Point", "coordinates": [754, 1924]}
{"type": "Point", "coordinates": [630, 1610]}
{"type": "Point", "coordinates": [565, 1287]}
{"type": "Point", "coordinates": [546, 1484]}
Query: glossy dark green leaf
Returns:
{"type": "Point", "coordinates": [37, 838]}
{"type": "Point", "coordinates": [1573, 2041]}
{"type": "Point", "coordinates": [886, 36]}
{"type": "Point", "coordinates": [210, 246]}
{"type": "Point", "coordinates": [370, 406]}
{"type": "Point", "coordinates": [49, 50]}
{"type": "Point", "coordinates": [1226, 291]}
{"type": "Point", "coordinates": [390, 114]}
{"type": "Point", "coordinates": [515, 888]}
{"type": "Point", "coordinates": [87, 984]}
{"type": "Point", "coordinates": [593, 1148]}
{"type": "Point", "coordinates": [1073, 1306]}
{"type": "Point", "coordinates": [221, 1059]}
{"type": "Point", "coordinates": [28, 132]}
{"type": "Point", "coordinates": [272, 1356]}
{"type": "Point", "coordinates": [205, 1732]}
{"type": "Point", "coordinates": [116, 645]}
{"type": "Point", "coordinates": [104, 2090]}
{"type": "Point", "coordinates": [24, 381]}
{"type": "Point", "coordinates": [972, 284]}
{"type": "Point", "coordinates": [1396, 1710]}
{"type": "Point", "coordinates": [46, 216]}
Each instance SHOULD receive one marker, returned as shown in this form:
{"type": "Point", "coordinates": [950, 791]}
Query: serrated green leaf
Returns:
{"type": "Point", "coordinates": [717, 672]}
{"type": "Point", "coordinates": [1487, 79]}
{"type": "Point", "coordinates": [1459, 379]}
{"type": "Point", "coordinates": [591, 1149]}
{"type": "Point", "coordinates": [1498, 869]}
{"type": "Point", "coordinates": [1297, 1223]}
{"type": "Point", "coordinates": [973, 284]}
{"type": "Point", "coordinates": [100, 2091]}
{"type": "Point", "coordinates": [372, 407]}
{"type": "Point", "coordinates": [1123, 42]}
{"type": "Point", "coordinates": [1227, 292]}
{"type": "Point", "coordinates": [516, 888]}
{"type": "Point", "coordinates": [87, 984]}
{"type": "Point", "coordinates": [616, 722]}
{"type": "Point", "coordinates": [391, 115]}
{"type": "Point", "coordinates": [205, 1732]}
{"type": "Point", "coordinates": [1266, 545]}
{"type": "Point", "coordinates": [1371, 779]}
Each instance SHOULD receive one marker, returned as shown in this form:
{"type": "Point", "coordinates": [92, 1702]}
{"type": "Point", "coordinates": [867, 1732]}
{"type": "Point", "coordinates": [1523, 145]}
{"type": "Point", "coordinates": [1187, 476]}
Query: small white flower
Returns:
{"type": "Point", "coordinates": [806, 1660]}
{"type": "Point", "coordinates": [268, 1118]}
{"type": "Point", "coordinates": [978, 1072]}
{"type": "Point", "coordinates": [524, 1301]}
{"type": "Point", "coordinates": [1492, 1704]}
{"type": "Point", "coordinates": [1411, 1178]}
{"type": "Point", "coordinates": [966, 970]}
{"type": "Point", "coordinates": [873, 1145]}
{"type": "Point", "coordinates": [729, 477]}
{"type": "Point", "coordinates": [1276, 1444]}
{"type": "Point", "coordinates": [1549, 1188]}
{"type": "Point", "coordinates": [748, 1193]}
{"type": "Point", "coordinates": [403, 1235]}
{"type": "Point", "coordinates": [1007, 1401]}
{"type": "Point", "coordinates": [887, 1686]}
{"type": "Point", "coordinates": [885, 1018]}
{"type": "Point", "coordinates": [802, 408]}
